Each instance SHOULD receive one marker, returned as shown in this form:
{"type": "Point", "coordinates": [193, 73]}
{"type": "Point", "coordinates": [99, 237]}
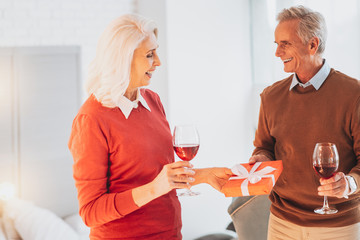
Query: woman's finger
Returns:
{"type": "Point", "coordinates": [180, 164]}
{"type": "Point", "coordinates": [183, 178]}
{"type": "Point", "coordinates": [179, 185]}
{"type": "Point", "coordinates": [181, 171]}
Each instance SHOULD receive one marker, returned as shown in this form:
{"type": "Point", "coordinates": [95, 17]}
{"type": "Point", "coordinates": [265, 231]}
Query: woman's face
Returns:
{"type": "Point", "coordinates": [144, 62]}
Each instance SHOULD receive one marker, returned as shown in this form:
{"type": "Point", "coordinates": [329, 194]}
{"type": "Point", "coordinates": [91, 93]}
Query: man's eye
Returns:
{"type": "Point", "coordinates": [285, 45]}
{"type": "Point", "coordinates": [150, 55]}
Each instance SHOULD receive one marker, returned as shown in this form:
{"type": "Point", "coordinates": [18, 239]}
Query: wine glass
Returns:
{"type": "Point", "coordinates": [186, 144]}
{"type": "Point", "coordinates": [325, 163]}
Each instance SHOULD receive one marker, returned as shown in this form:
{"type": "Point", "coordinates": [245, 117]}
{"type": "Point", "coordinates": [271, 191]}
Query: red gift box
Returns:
{"type": "Point", "coordinates": [254, 179]}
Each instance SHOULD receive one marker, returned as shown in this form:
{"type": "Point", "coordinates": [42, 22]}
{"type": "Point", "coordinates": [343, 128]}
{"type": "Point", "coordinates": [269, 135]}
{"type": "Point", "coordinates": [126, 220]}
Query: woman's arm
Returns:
{"type": "Point", "coordinates": [89, 148]}
{"type": "Point", "coordinates": [172, 176]}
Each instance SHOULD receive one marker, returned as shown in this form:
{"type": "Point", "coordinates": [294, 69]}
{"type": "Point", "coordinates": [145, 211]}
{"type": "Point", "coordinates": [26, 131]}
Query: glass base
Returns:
{"type": "Point", "coordinates": [325, 210]}
{"type": "Point", "coordinates": [187, 193]}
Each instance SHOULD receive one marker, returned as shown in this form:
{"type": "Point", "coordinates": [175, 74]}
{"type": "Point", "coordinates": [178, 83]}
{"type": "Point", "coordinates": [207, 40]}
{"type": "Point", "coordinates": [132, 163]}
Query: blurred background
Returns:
{"type": "Point", "coordinates": [217, 56]}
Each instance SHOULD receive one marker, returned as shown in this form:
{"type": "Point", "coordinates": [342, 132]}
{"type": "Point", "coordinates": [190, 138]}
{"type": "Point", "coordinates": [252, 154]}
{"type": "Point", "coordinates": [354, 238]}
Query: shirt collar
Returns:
{"type": "Point", "coordinates": [126, 106]}
{"type": "Point", "coordinates": [316, 80]}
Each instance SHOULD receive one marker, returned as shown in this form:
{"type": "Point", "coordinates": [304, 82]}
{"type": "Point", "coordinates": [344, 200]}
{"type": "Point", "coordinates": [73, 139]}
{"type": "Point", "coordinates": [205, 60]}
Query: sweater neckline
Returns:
{"type": "Point", "coordinates": [301, 90]}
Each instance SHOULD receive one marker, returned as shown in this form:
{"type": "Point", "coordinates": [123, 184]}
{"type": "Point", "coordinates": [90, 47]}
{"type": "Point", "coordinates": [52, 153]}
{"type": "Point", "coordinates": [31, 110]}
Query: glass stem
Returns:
{"type": "Point", "coordinates": [326, 203]}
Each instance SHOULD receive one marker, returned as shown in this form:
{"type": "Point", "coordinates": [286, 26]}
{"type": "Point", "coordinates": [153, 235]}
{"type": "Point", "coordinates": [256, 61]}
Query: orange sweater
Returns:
{"type": "Point", "coordinates": [290, 124]}
{"type": "Point", "coordinates": [112, 155]}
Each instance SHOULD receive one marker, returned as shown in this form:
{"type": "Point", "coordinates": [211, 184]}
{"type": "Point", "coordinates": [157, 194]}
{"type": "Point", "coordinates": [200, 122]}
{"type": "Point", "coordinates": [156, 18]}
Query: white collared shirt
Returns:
{"type": "Point", "coordinates": [126, 106]}
{"type": "Point", "coordinates": [316, 80]}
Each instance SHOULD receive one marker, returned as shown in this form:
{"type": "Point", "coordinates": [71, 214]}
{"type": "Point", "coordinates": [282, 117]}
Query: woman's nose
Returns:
{"type": "Point", "coordinates": [157, 61]}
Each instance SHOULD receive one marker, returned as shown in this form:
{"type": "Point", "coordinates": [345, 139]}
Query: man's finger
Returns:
{"type": "Point", "coordinates": [337, 177]}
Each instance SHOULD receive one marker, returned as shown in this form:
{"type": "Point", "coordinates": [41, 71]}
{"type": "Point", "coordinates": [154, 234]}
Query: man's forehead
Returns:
{"type": "Point", "coordinates": [286, 31]}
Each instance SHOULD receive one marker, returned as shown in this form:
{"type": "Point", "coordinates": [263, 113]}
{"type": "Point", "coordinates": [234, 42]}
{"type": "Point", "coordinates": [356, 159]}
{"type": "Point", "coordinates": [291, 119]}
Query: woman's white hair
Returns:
{"type": "Point", "coordinates": [109, 72]}
{"type": "Point", "coordinates": [312, 24]}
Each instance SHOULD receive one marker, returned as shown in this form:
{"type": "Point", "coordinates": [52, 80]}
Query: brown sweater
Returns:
{"type": "Point", "coordinates": [290, 124]}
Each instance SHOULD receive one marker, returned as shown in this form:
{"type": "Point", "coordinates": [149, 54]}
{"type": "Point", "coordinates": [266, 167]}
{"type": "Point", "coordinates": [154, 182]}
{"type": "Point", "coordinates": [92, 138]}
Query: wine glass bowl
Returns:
{"type": "Point", "coordinates": [186, 143]}
{"type": "Point", "coordinates": [325, 164]}
{"type": "Point", "coordinates": [186, 151]}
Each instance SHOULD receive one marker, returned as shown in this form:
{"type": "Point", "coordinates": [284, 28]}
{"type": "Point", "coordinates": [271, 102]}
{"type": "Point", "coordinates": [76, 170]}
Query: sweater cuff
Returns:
{"type": "Point", "coordinates": [124, 203]}
{"type": "Point", "coordinates": [357, 180]}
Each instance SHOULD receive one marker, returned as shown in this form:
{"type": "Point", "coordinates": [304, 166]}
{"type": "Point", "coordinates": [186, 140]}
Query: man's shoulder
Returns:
{"type": "Point", "coordinates": [279, 86]}
{"type": "Point", "coordinates": [341, 80]}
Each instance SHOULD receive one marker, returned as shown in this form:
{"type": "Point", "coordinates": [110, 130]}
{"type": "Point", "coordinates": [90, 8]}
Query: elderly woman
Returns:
{"type": "Point", "coordinates": [121, 143]}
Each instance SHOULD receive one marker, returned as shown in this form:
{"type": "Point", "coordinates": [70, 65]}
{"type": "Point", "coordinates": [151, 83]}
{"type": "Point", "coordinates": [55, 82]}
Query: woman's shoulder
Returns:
{"type": "Point", "coordinates": [92, 108]}
{"type": "Point", "coordinates": [150, 96]}
{"type": "Point", "coordinates": [152, 99]}
{"type": "Point", "coordinates": [90, 105]}
{"type": "Point", "coordinates": [145, 92]}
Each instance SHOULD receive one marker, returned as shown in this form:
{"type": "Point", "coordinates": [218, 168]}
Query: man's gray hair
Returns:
{"type": "Point", "coordinates": [312, 24]}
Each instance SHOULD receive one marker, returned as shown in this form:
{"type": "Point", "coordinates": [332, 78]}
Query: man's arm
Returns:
{"type": "Point", "coordinates": [264, 142]}
{"type": "Point", "coordinates": [341, 185]}
{"type": "Point", "coordinates": [216, 176]}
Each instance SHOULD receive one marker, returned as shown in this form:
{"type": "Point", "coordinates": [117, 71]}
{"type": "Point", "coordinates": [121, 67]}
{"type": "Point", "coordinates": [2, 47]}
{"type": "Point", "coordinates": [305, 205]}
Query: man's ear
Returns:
{"type": "Point", "coordinates": [314, 45]}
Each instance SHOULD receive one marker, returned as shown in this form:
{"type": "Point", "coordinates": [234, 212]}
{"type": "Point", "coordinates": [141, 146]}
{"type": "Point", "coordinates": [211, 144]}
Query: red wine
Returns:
{"type": "Point", "coordinates": [325, 171]}
{"type": "Point", "coordinates": [186, 151]}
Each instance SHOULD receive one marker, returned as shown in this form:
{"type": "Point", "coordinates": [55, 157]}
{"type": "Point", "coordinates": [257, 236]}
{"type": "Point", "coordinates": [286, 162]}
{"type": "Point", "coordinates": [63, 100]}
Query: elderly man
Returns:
{"type": "Point", "coordinates": [315, 104]}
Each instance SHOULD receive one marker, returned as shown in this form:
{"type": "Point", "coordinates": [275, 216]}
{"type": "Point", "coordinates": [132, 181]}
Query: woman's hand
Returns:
{"type": "Point", "coordinates": [216, 177]}
{"type": "Point", "coordinates": [172, 176]}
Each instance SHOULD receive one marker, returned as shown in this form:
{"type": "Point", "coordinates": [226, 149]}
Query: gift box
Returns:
{"type": "Point", "coordinates": [254, 179]}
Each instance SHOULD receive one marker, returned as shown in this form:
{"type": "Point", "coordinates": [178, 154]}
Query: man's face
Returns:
{"type": "Point", "coordinates": [293, 53]}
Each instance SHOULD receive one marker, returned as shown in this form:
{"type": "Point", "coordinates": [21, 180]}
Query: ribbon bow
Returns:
{"type": "Point", "coordinates": [251, 176]}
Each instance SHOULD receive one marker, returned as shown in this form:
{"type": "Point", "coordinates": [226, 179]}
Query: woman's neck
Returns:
{"type": "Point", "coordinates": [131, 94]}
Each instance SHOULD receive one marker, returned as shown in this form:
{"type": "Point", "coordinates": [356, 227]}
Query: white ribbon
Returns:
{"type": "Point", "coordinates": [252, 176]}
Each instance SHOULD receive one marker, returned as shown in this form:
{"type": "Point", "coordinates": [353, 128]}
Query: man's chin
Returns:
{"type": "Point", "coordinates": [287, 70]}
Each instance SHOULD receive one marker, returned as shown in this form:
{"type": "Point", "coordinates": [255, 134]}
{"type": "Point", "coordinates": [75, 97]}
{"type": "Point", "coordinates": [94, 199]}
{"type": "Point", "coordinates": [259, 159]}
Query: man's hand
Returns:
{"type": "Point", "coordinates": [336, 186]}
{"type": "Point", "coordinates": [216, 177]}
{"type": "Point", "coordinates": [258, 158]}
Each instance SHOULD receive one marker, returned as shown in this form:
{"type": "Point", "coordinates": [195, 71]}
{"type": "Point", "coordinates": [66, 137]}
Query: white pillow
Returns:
{"type": "Point", "coordinates": [33, 222]}
{"type": "Point", "coordinates": [2, 234]}
{"type": "Point", "coordinates": [75, 221]}
{"type": "Point", "coordinates": [9, 228]}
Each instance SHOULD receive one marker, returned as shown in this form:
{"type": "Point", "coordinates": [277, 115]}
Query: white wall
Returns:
{"type": "Point", "coordinates": [209, 77]}
{"type": "Point", "coordinates": [28, 23]}
{"type": "Point", "coordinates": [58, 22]}
{"type": "Point", "coordinates": [38, 109]}
{"type": "Point", "coordinates": [342, 47]}
{"type": "Point", "coordinates": [156, 10]}
{"type": "Point", "coordinates": [205, 78]}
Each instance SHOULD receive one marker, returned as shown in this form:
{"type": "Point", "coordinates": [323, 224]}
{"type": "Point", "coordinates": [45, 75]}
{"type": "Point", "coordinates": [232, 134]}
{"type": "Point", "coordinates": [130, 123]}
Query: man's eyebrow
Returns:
{"type": "Point", "coordinates": [283, 41]}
